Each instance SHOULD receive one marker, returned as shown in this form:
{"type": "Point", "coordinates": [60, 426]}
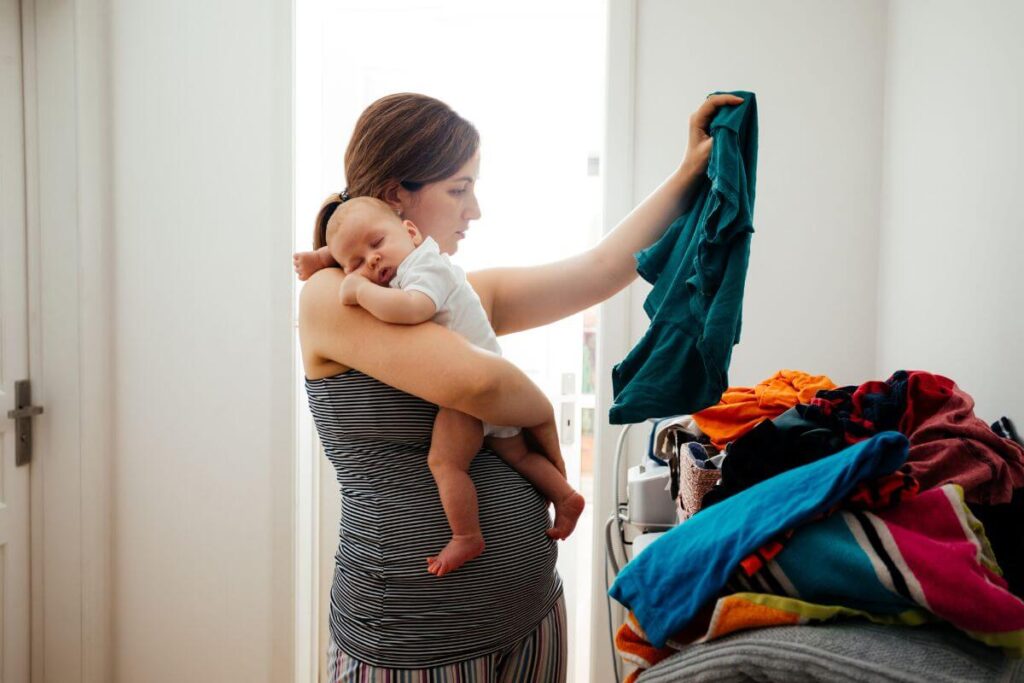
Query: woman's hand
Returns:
{"type": "Point", "coordinates": [698, 150]}
{"type": "Point", "coordinates": [544, 439]}
{"type": "Point", "coordinates": [350, 287]}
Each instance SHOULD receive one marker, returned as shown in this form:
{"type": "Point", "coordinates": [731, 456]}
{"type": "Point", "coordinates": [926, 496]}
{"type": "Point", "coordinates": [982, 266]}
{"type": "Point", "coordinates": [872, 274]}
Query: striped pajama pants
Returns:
{"type": "Point", "coordinates": [540, 657]}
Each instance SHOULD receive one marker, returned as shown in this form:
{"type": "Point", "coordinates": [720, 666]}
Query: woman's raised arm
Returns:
{"type": "Point", "coordinates": [426, 360]}
{"type": "Point", "coordinates": [522, 298]}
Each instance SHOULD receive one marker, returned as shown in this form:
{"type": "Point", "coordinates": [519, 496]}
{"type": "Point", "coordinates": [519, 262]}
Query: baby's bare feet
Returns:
{"type": "Point", "coordinates": [567, 513]}
{"type": "Point", "coordinates": [306, 263]}
{"type": "Point", "coordinates": [460, 550]}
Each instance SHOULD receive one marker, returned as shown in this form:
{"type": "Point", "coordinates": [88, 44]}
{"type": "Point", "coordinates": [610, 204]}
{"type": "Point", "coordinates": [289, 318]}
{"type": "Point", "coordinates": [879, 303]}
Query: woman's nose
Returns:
{"type": "Point", "coordinates": [472, 212]}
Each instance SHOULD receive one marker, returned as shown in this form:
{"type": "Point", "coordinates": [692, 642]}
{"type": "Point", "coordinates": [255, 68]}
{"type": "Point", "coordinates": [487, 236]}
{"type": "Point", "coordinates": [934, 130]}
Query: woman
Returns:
{"type": "Point", "coordinates": [374, 389]}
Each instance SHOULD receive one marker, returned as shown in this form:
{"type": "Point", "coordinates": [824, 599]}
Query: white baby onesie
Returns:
{"type": "Point", "coordinates": [429, 271]}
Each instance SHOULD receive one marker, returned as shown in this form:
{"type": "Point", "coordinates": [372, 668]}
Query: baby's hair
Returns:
{"type": "Point", "coordinates": [343, 210]}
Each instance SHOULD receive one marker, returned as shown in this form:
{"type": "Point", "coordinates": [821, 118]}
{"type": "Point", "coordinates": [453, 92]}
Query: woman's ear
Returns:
{"type": "Point", "coordinates": [395, 196]}
{"type": "Point", "coordinates": [414, 232]}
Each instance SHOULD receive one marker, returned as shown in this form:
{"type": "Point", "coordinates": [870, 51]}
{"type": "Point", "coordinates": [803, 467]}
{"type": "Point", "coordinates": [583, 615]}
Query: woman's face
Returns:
{"type": "Point", "coordinates": [443, 210]}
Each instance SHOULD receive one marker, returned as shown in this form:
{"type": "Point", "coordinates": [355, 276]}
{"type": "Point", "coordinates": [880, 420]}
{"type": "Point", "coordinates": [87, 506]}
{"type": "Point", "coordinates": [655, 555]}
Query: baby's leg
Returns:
{"type": "Point", "coordinates": [453, 445]}
{"type": "Point", "coordinates": [543, 474]}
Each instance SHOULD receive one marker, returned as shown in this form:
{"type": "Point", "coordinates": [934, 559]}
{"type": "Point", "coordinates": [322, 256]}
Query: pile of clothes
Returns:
{"type": "Point", "coordinates": [805, 502]}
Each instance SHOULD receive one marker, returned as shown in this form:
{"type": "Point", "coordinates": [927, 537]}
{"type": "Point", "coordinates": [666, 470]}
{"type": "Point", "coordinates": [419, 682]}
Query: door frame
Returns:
{"type": "Point", "coordinates": [614, 333]}
{"type": "Point", "coordinates": [70, 303]}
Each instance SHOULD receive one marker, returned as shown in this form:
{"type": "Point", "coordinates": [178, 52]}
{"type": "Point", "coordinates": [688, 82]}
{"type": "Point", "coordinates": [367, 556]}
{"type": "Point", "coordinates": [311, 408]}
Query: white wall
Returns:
{"type": "Point", "coordinates": [951, 298]}
{"type": "Point", "coordinates": [816, 69]}
{"type": "Point", "coordinates": [203, 473]}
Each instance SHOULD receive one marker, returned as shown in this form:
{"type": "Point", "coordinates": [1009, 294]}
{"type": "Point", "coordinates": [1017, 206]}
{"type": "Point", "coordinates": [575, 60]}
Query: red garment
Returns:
{"type": "Point", "coordinates": [953, 445]}
{"type": "Point", "coordinates": [925, 395]}
{"type": "Point", "coordinates": [948, 443]}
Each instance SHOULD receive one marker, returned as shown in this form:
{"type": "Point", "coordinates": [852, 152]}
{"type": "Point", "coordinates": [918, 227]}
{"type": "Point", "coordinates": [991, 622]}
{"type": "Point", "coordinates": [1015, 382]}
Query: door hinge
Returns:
{"type": "Point", "coordinates": [22, 415]}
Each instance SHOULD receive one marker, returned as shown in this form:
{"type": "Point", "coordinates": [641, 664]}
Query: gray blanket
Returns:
{"type": "Point", "coordinates": [847, 651]}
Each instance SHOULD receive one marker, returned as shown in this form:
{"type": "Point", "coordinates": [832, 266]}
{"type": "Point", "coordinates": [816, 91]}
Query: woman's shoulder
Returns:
{"type": "Point", "coordinates": [322, 316]}
{"type": "Point", "coordinates": [320, 307]}
{"type": "Point", "coordinates": [320, 288]}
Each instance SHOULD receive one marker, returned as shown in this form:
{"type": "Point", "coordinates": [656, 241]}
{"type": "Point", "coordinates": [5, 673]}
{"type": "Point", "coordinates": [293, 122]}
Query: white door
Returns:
{"type": "Point", "coordinates": [14, 482]}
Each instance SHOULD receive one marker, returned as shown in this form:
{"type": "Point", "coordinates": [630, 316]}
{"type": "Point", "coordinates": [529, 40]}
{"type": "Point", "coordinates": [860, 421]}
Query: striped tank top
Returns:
{"type": "Point", "coordinates": [386, 609]}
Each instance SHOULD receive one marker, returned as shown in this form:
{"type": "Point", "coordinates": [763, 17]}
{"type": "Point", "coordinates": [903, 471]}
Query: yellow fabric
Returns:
{"type": "Point", "coordinates": [742, 408]}
{"type": "Point", "coordinates": [741, 612]}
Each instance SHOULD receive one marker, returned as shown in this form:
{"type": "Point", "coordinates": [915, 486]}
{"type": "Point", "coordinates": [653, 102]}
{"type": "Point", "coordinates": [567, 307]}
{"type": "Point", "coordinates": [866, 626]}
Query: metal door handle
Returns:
{"type": "Point", "coordinates": [30, 411]}
{"type": "Point", "coordinates": [22, 415]}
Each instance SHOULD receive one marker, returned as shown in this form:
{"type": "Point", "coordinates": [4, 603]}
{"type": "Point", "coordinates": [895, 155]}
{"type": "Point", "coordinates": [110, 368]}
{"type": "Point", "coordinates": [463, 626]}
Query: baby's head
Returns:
{"type": "Point", "coordinates": [366, 237]}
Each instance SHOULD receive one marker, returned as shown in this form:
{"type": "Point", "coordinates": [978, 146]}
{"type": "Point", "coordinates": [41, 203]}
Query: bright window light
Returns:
{"type": "Point", "coordinates": [530, 76]}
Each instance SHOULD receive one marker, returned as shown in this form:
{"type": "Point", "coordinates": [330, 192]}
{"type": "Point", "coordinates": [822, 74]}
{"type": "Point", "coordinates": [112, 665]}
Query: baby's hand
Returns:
{"type": "Point", "coordinates": [350, 287]}
{"type": "Point", "coordinates": [306, 263]}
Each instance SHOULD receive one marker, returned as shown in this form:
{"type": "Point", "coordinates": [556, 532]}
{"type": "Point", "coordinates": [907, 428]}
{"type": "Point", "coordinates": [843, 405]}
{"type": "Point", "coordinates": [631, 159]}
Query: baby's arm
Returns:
{"type": "Point", "coordinates": [308, 262]}
{"type": "Point", "coordinates": [390, 305]}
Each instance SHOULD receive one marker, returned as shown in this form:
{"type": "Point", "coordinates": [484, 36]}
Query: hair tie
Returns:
{"type": "Point", "coordinates": [344, 195]}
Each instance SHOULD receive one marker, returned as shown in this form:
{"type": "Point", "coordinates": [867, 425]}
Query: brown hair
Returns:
{"type": "Point", "coordinates": [403, 139]}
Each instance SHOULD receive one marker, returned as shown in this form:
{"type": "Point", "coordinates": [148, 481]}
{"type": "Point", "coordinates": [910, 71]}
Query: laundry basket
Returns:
{"type": "Point", "coordinates": [694, 480]}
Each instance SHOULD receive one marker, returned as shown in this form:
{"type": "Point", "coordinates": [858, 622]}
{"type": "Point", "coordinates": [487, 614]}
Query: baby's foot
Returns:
{"type": "Point", "coordinates": [567, 513]}
{"type": "Point", "coordinates": [306, 263]}
{"type": "Point", "coordinates": [459, 551]}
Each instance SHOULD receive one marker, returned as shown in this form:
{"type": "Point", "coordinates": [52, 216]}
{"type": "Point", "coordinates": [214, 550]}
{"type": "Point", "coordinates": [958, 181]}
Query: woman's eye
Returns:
{"type": "Point", "coordinates": [457, 192]}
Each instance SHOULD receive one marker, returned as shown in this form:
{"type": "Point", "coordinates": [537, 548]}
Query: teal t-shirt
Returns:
{"type": "Point", "coordinates": [698, 269]}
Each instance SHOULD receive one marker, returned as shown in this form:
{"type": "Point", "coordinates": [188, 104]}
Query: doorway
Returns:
{"type": "Point", "coordinates": [538, 105]}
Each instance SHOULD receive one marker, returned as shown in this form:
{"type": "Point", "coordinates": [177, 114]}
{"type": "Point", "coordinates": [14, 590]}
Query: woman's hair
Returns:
{"type": "Point", "coordinates": [402, 139]}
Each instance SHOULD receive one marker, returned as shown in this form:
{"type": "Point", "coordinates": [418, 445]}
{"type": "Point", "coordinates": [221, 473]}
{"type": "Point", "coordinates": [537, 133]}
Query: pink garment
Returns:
{"type": "Point", "coordinates": [952, 565]}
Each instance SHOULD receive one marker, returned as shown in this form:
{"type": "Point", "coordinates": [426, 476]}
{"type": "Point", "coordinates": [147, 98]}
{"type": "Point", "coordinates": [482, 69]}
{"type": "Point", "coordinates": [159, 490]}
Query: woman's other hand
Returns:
{"type": "Point", "coordinates": [698, 149]}
{"type": "Point", "coordinates": [544, 438]}
{"type": "Point", "coordinates": [350, 287]}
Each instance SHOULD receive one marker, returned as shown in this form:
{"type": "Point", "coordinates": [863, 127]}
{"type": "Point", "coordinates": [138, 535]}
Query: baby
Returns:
{"type": "Point", "coordinates": [399, 276]}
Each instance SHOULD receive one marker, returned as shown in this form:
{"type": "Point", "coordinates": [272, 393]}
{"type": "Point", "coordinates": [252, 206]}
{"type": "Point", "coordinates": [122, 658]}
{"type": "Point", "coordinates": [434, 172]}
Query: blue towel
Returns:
{"type": "Point", "coordinates": [676, 575]}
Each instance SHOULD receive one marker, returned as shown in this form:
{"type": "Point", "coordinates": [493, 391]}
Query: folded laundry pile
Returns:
{"type": "Point", "coordinates": [888, 501]}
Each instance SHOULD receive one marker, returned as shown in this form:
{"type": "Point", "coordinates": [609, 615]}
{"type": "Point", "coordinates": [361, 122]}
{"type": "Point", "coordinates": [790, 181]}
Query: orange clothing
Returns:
{"type": "Point", "coordinates": [742, 408]}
